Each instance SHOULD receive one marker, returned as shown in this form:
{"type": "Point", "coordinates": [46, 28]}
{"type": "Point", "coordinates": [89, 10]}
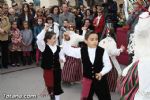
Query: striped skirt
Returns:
{"type": "Point", "coordinates": [130, 83]}
{"type": "Point", "coordinates": [72, 70]}
{"type": "Point", "coordinates": [112, 78]}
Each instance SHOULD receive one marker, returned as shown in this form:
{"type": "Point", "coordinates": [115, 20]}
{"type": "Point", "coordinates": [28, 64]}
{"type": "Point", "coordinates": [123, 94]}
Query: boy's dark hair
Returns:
{"type": "Point", "coordinates": [49, 18]}
{"type": "Point", "coordinates": [49, 35]}
{"type": "Point", "coordinates": [89, 32]}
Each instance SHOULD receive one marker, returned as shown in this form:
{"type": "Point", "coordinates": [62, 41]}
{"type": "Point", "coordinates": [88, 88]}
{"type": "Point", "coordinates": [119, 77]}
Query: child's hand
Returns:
{"type": "Point", "coordinates": [66, 36]}
{"type": "Point", "coordinates": [122, 48]}
{"type": "Point", "coordinates": [98, 76]}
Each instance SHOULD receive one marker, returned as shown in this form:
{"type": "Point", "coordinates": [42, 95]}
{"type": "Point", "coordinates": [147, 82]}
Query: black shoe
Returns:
{"type": "Point", "coordinates": [13, 65]}
{"type": "Point", "coordinates": [52, 97]}
{"type": "Point", "coordinates": [18, 65]}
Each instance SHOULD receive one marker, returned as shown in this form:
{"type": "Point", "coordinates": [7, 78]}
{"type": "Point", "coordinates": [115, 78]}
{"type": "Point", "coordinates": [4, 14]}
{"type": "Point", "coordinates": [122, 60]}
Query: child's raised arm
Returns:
{"type": "Point", "coordinates": [80, 38]}
{"type": "Point", "coordinates": [40, 38]}
{"type": "Point", "coordinates": [70, 51]}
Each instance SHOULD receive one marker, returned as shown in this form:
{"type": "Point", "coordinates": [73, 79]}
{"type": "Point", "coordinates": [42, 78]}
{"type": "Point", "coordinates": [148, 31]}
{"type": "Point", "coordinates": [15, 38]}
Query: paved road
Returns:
{"type": "Point", "coordinates": [30, 81]}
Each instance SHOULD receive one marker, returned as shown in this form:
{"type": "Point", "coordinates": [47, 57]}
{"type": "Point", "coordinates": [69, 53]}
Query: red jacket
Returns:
{"type": "Point", "coordinates": [100, 27]}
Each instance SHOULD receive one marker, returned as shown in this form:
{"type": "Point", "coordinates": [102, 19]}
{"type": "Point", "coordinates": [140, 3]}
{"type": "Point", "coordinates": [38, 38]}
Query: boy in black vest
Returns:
{"type": "Point", "coordinates": [51, 55]}
{"type": "Point", "coordinates": [96, 64]}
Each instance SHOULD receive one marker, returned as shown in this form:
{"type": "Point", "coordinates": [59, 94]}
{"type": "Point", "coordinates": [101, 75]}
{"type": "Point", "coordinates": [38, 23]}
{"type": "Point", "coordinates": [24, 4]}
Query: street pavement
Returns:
{"type": "Point", "coordinates": [30, 82]}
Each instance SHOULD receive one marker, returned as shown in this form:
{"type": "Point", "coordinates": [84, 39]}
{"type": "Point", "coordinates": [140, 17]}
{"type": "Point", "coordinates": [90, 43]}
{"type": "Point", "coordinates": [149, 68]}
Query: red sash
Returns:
{"type": "Point", "coordinates": [86, 86]}
{"type": "Point", "coordinates": [48, 78]}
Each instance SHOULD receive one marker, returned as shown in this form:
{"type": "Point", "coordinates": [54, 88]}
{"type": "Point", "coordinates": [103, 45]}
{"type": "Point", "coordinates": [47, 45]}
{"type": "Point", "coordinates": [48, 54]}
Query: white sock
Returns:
{"type": "Point", "coordinates": [57, 97]}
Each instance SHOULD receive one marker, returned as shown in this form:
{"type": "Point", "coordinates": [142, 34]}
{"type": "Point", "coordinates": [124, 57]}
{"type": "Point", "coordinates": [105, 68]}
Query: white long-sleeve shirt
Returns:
{"type": "Point", "coordinates": [110, 46]}
{"type": "Point", "coordinates": [41, 45]}
{"type": "Point", "coordinates": [75, 38]}
{"type": "Point", "coordinates": [76, 53]}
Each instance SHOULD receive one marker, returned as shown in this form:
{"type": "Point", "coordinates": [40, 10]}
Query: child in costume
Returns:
{"type": "Point", "coordinates": [72, 70]}
{"type": "Point", "coordinates": [96, 64]}
{"type": "Point", "coordinates": [51, 54]}
{"type": "Point", "coordinates": [135, 81]}
{"type": "Point", "coordinates": [110, 46]}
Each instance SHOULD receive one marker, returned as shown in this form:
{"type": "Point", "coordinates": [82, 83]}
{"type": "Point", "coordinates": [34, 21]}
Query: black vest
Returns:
{"type": "Point", "coordinates": [90, 69]}
{"type": "Point", "coordinates": [50, 60]}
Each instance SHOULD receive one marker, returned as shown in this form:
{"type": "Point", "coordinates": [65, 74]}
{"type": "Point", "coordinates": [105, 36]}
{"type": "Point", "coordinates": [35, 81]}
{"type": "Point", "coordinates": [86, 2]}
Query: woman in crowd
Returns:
{"type": "Point", "coordinates": [54, 13]}
{"type": "Point", "coordinates": [25, 16]}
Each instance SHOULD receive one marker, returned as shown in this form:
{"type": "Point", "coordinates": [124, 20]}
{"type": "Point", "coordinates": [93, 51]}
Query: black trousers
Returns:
{"type": "Point", "coordinates": [16, 55]}
{"type": "Point", "coordinates": [101, 89]}
{"type": "Point", "coordinates": [57, 89]}
{"type": "Point", "coordinates": [4, 52]}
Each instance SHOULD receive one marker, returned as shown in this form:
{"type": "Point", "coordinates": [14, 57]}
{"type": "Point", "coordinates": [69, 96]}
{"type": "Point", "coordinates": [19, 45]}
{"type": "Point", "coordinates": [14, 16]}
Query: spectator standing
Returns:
{"type": "Point", "coordinates": [63, 29]}
{"type": "Point", "coordinates": [4, 29]}
{"type": "Point", "coordinates": [5, 9]}
{"type": "Point", "coordinates": [54, 13]}
{"type": "Point", "coordinates": [27, 37]}
{"type": "Point", "coordinates": [16, 44]}
{"type": "Point", "coordinates": [25, 16]}
{"type": "Point", "coordinates": [88, 14]}
{"type": "Point", "coordinates": [12, 15]}
{"type": "Point", "coordinates": [99, 23]}
{"type": "Point", "coordinates": [66, 15]}
{"type": "Point", "coordinates": [37, 29]}
{"type": "Point", "coordinates": [16, 8]}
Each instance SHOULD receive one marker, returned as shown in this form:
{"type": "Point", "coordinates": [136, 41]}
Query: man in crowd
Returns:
{"type": "Point", "coordinates": [66, 15]}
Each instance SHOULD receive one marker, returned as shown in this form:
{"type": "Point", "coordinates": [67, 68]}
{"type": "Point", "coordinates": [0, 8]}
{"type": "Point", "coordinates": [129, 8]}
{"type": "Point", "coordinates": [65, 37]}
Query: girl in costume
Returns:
{"type": "Point", "coordinates": [135, 81]}
{"type": "Point", "coordinates": [110, 46]}
{"type": "Point", "coordinates": [72, 70]}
